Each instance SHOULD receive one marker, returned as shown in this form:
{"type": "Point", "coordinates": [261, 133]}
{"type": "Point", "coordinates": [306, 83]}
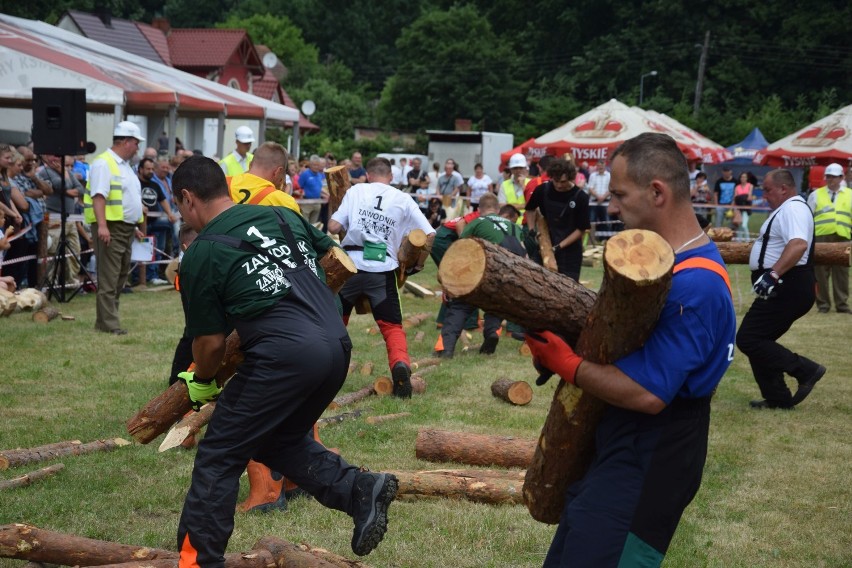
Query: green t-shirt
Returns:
{"type": "Point", "coordinates": [221, 281]}
{"type": "Point", "coordinates": [484, 228]}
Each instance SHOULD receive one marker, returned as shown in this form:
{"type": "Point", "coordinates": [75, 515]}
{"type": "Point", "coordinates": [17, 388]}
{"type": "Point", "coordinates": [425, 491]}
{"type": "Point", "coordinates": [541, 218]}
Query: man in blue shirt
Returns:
{"type": "Point", "coordinates": [651, 443]}
{"type": "Point", "coordinates": [311, 181]}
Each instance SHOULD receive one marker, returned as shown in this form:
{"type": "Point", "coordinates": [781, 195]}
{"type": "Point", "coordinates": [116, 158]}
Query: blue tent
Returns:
{"type": "Point", "coordinates": [745, 150]}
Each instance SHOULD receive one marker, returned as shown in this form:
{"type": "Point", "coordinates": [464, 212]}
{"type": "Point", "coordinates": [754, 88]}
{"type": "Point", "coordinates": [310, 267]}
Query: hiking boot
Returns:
{"type": "Point", "coordinates": [401, 375]}
{"type": "Point", "coordinates": [807, 385]}
{"type": "Point", "coordinates": [371, 496]}
{"type": "Point", "coordinates": [489, 346]}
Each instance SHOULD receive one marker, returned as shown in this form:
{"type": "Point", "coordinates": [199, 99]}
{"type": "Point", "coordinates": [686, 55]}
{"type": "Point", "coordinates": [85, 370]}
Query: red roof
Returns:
{"type": "Point", "coordinates": [210, 48]}
{"type": "Point", "coordinates": [157, 39]}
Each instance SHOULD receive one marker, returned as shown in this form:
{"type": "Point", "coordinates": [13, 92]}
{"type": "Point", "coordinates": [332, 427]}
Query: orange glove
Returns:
{"type": "Point", "coordinates": [551, 354]}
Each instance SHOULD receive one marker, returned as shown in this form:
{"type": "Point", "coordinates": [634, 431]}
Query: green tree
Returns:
{"type": "Point", "coordinates": [466, 72]}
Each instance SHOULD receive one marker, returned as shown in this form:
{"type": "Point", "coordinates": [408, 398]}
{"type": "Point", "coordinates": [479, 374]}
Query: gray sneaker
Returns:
{"type": "Point", "coordinates": [371, 497]}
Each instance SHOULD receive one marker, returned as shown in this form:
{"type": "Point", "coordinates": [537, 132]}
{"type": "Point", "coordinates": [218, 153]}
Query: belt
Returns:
{"type": "Point", "coordinates": [353, 247]}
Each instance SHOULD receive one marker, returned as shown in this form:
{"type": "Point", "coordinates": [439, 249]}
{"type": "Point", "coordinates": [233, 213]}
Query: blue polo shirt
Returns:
{"type": "Point", "coordinates": [311, 183]}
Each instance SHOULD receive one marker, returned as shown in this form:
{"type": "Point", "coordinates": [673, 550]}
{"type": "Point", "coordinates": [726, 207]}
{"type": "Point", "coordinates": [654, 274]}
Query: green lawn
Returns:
{"type": "Point", "coordinates": [776, 488]}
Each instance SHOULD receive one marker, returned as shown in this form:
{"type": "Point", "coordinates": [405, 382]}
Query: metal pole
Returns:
{"type": "Point", "coordinates": [220, 136]}
{"type": "Point", "coordinates": [172, 129]}
{"type": "Point", "coordinates": [296, 149]}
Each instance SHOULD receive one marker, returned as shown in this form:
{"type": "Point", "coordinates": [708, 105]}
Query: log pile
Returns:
{"type": "Point", "coordinates": [473, 449]}
{"type": "Point", "coordinates": [23, 456]}
{"type": "Point", "coordinates": [28, 299]}
{"type": "Point", "coordinates": [637, 277]}
{"type": "Point", "coordinates": [518, 393]}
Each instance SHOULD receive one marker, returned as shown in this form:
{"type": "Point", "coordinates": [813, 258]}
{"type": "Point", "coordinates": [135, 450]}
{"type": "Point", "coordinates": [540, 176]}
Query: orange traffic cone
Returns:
{"type": "Point", "coordinates": [265, 493]}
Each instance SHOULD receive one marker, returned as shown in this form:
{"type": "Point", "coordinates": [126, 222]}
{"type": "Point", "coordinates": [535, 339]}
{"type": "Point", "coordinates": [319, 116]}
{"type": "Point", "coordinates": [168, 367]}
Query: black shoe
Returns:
{"type": "Point", "coordinates": [127, 290]}
{"type": "Point", "coordinates": [823, 310]}
{"type": "Point", "coordinates": [371, 497]}
{"type": "Point", "coordinates": [445, 354]}
{"type": "Point", "coordinates": [118, 331]}
{"type": "Point", "coordinates": [806, 386]}
{"type": "Point", "coordinates": [279, 504]}
{"type": "Point", "coordinates": [843, 311]}
{"type": "Point", "coordinates": [489, 346]}
{"type": "Point", "coordinates": [760, 404]}
{"type": "Point", "coordinates": [401, 375]}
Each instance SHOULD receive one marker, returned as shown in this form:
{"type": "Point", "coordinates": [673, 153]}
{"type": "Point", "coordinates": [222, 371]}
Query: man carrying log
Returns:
{"type": "Point", "coordinates": [254, 269]}
{"type": "Point", "coordinates": [376, 217]}
{"type": "Point", "coordinates": [651, 443]}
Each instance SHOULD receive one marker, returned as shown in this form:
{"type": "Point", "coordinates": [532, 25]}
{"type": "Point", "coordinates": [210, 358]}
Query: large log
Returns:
{"type": "Point", "coordinates": [383, 386]}
{"type": "Point", "coordinates": [27, 542]}
{"type": "Point", "coordinates": [514, 392]}
{"type": "Point", "coordinates": [352, 397]}
{"type": "Point", "coordinates": [165, 409]}
{"type": "Point", "coordinates": [409, 253]}
{"type": "Point", "coordinates": [637, 278]}
{"type": "Point", "coordinates": [825, 254]}
{"type": "Point", "coordinates": [14, 458]}
{"type": "Point", "coordinates": [515, 288]}
{"type": "Point", "coordinates": [469, 486]}
{"type": "Point", "coordinates": [338, 181]}
{"type": "Point", "coordinates": [251, 559]}
{"type": "Point", "coordinates": [290, 555]}
{"type": "Point", "coordinates": [29, 478]}
{"type": "Point", "coordinates": [188, 426]}
{"type": "Point", "coordinates": [473, 449]}
{"type": "Point", "coordinates": [19, 456]}
{"type": "Point", "coordinates": [338, 268]}
{"type": "Point", "coordinates": [545, 245]}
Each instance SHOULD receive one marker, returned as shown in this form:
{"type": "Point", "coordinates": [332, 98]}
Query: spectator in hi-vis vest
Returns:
{"type": "Point", "coordinates": [238, 161]}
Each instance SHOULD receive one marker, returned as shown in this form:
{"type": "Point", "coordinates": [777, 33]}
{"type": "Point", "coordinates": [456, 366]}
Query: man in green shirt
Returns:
{"type": "Point", "coordinates": [500, 230]}
{"type": "Point", "coordinates": [254, 269]}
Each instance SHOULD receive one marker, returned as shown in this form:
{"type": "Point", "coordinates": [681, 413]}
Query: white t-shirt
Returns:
{"type": "Point", "coordinates": [478, 187]}
{"type": "Point", "coordinates": [131, 188]}
{"type": "Point", "coordinates": [376, 212]}
{"type": "Point", "coordinates": [433, 182]}
{"type": "Point", "coordinates": [397, 175]}
{"type": "Point", "coordinates": [598, 185]}
{"type": "Point", "coordinates": [792, 220]}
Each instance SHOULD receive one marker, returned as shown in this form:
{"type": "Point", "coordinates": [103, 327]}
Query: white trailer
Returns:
{"type": "Point", "coordinates": [468, 149]}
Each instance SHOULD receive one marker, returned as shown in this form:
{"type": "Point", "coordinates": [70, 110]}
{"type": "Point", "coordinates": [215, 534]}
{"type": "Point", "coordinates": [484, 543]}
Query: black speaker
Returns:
{"type": "Point", "coordinates": [59, 121]}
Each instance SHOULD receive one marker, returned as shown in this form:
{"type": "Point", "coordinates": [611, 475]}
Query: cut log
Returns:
{"type": "Point", "coordinates": [338, 181]}
{"type": "Point", "coordinates": [165, 409]}
{"type": "Point", "coordinates": [46, 314]}
{"type": "Point", "coordinates": [415, 320]}
{"type": "Point", "coordinates": [15, 458]}
{"type": "Point", "coordinates": [31, 299]}
{"type": "Point", "coordinates": [352, 397]}
{"type": "Point", "coordinates": [385, 417]}
{"type": "Point", "coordinates": [476, 488]}
{"type": "Point", "coordinates": [383, 386]}
{"type": "Point", "coordinates": [421, 364]}
{"type": "Point", "coordinates": [418, 290]}
{"type": "Point", "coordinates": [637, 278]}
{"type": "Point", "coordinates": [188, 426]}
{"type": "Point", "coordinates": [367, 369]}
{"type": "Point", "coordinates": [20, 456]}
{"type": "Point", "coordinates": [409, 252]}
{"type": "Point", "coordinates": [29, 478]}
{"type": "Point", "coordinates": [251, 559]}
{"type": "Point", "coordinates": [508, 474]}
{"type": "Point", "coordinates": [341, 417]}
{"type": "Point", "coordinates": [8, 303]}
{"type": "Point", "coordinates": [338, 268]}
{"type": "Point", "coordinates": [720, 234]}
{"type": "Point", "coordinates": [524, 350]}
{"type": "Point", "coordinates": [513, 392]}
{"type": "Point", "coordinates": [473, 449]}
{"type": "Point", "coordinates": [27, 542]}
{"type": "Point", "coordinates": [545, 245]}
{"type": "Point", "coordinates": [418, 384]}
{"type": "Point", "coordinates": [289, 555]}
{"type": "Point", "coordinates": [514, 288]}
{"type": "Point", "coordinates": [825, 254]}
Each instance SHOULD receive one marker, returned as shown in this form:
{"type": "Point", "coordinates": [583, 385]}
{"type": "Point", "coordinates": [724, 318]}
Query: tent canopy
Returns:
{"type": "Point", "coordinates": [826, 141]}
{"type": "Point", "coordinates": [744, 150]}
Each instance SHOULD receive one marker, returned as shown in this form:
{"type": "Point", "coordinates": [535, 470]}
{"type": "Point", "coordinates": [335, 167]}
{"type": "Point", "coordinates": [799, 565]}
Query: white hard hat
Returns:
{"type": "Point", "coordinates": [127, 129]}
{"type": "Point", "coordinates": [517, 161]}
{"type": "Point", "coordinates": [834, 170]}
{"type": "Point", "coordinates": [245, 135]}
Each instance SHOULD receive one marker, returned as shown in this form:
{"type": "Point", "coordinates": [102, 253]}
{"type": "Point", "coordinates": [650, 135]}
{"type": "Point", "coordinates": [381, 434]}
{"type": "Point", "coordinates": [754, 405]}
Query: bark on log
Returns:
{"type": "Point", "coordinates": [27, 542]}
{"type": "Point", "coordinates": [508, 474]}
{"type": "Point", "coordinates": [251, 559]}
{"type": "Point", "coordinates": [473, 449]}
{"type": "Point", "coordinates": [421, 364]}
{"type": "Point", "coordinates": [385, 417]}
{"type": "Point", "coordinates": [545, 245]}
{"type": "Point", "coordinates": [188, 426]}
{"type": "Point", "coordinates": [165, 409]}
{"type": "Point", "coordinates": [825, 254]}
{"type": "Point", "coordinates": [637, 278]}
{"type": "Point", "coordinates": [513, 392]}
{"type": "Point", "coordinates": [409, 252]}
{"type": "Point", "coordinates": [352, 397]}
{"type": "Point", "coordinates": [475, 488]}
{"type": "Point", "coordinates": [290, 555]}
{"type": "Point", "coordinates": [341, 417]}
{"type": "Point", "coordinates": [14, 458]}
{"type": "Point", "coordinates": [338, 181]}
{"type": "Point", "coordinates": [367, 369]}
{"type": "Point", "coordinates": [11, 458]}
{"type": "Point", "coordinates": [418, 384]}
{"type": "Point", "coordinates": [46, 314]}
{"type": "Point", "coordinates": [515, 288]}
{"type": "Point", "coordinates": [415, 320]}
{"type": "Point", "coordinates": [338, 268]}
{"type": "Point", "coordinates": [29, 478]}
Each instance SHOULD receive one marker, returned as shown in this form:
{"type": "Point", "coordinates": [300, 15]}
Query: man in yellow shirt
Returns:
{"type": "Point", "coordinates": [262, 184]}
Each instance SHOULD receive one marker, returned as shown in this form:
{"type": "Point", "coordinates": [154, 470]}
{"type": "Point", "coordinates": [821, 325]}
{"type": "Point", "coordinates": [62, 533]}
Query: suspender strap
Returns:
{"type": "Point", "coordinates": [259, 197]}
{"type": "Point", "coordinates": [765, 242]}
{"type": "Point", "coordinates": [246, 246]}
{"type": "Point", "coordinates": [706, 264]}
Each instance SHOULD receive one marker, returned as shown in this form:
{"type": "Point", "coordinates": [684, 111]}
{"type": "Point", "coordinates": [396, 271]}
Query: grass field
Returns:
{"type": "Point", "coordinates": [776, 489]}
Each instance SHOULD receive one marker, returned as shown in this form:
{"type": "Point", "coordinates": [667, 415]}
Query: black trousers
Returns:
{"type": "Point", "coordinates": [765, 322]}
{"type": "Point", "coordinates": [454, 322]}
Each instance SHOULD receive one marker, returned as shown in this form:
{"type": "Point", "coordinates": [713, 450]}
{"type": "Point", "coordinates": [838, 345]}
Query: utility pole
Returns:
{"type": "Point", "coordinates": [699, 85]}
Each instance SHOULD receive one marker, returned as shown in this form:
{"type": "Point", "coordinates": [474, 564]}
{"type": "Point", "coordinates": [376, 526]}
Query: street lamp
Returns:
{"type": "Point", "coordinates": [642, 84]}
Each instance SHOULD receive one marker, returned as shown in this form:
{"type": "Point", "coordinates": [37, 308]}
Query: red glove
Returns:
{"type": "Point", "coordinates": [552, 355]}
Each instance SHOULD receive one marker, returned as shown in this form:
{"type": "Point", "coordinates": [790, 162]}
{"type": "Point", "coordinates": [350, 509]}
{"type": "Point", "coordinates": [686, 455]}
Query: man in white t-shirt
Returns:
{"type": "Point", "coordinates": [598, 185]}
{"type": "Point", "coordinates": [783, 278]}
{"type": "Point", "coordinates": [376, 218]}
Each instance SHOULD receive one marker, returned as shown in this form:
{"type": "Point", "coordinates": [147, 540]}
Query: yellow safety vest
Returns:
{"type": "Point", "coordinates": [233, 166]}
{"type": "Point", "coordinates": [114, 209]}
{"type": "Point", "coordinates": [833, 218]}
{"type": "Point", "coordinates": [514, 199]}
